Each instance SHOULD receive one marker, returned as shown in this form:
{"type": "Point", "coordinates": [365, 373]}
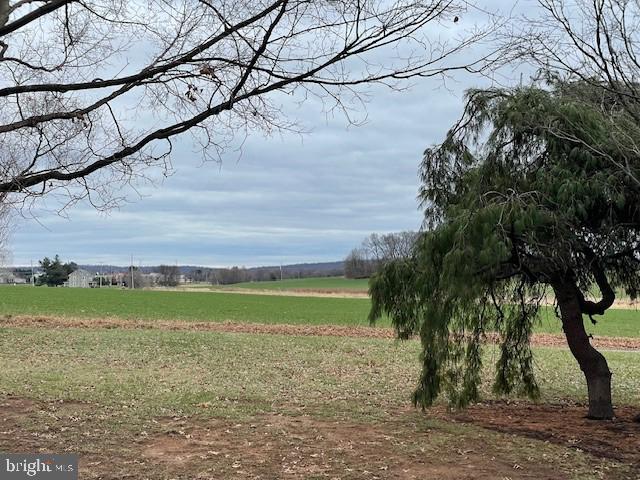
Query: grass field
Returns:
{"type": "Point", "coordinates": [170, 373]}
{"type": "Point", "coordinates": [217, 307]}
{"type": "Point", "coordinates": [320, 284]}
{"type": "Point", "coordinates": [317, 284]}
{"type": "Point", "coordinates": [212, 405]}
{"type": "Point", "coordinates": [164, 404]}
{"type": "Point", "coordinates": [171, 305]}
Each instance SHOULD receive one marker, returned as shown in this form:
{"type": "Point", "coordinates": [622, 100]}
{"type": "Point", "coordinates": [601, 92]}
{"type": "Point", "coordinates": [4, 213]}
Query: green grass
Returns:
{"type": "Point", "coordinates": [171, 305]}
{"type": "Point", "coordinates": [104, 393]}
{"type": "Point", "coordinates": [615, 323]}
{"type": "Point", "coordinates": [217, 307]}
{"type": "Point", "coordinates": [319, 284]}
{"type": "Point", "coordinates": [130, 383]}
{"type": "Point", "coordinates": [154, 372]}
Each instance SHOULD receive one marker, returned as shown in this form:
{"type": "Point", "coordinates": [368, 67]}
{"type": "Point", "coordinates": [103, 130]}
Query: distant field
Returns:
{"type": "Point", "coordinates": [319, 284]}
{"type": "Point", "coordinates": [219, 307]}
{"type": "Point", "coordinates": [171, 305]}
{"type": "Point", "coordinates": [616, 323]}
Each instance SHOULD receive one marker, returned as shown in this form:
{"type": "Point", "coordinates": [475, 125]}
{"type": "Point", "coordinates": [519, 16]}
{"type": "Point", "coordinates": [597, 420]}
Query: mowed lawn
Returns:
{"type": "Point", "coordinates": [248, 308]}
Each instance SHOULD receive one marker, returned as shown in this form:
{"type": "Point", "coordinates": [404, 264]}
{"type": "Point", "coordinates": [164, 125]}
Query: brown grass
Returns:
{"type": "Point", "coordinates": [538, 339]}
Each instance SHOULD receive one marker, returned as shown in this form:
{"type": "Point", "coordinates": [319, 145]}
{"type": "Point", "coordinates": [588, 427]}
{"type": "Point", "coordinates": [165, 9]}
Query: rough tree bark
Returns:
{"type": "Point", "coordinates": [592, 363]}
{"type": "Point", "coordinates": [4, 12]}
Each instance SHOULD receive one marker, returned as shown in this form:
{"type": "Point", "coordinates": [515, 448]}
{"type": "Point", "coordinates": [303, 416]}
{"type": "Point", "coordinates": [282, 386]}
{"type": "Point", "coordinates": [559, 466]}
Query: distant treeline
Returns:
{"type": "Point", "coordinates": [228, 276]}
{"type": "Point", "coordinates": [362, 262]}
{"type": "Point", "coordinates": [172, 275]}
{"type": "Point", "coordinates": [376, 250]}
{"type": "Point", "coordinates": [166, 275]}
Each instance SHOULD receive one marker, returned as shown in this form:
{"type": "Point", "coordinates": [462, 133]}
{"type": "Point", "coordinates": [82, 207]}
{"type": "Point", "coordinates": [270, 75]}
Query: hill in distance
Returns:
{"type": "Point", "coordinates": [321, 268]}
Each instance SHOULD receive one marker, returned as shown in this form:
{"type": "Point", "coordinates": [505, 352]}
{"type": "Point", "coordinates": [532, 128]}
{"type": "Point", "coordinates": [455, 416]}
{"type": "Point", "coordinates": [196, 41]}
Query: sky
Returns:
{"type": "Point", "coordinates": [285, 199]}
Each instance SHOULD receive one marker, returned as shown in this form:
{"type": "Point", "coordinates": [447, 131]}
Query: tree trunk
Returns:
{"type": "Point", "coordinates": [592, 363]}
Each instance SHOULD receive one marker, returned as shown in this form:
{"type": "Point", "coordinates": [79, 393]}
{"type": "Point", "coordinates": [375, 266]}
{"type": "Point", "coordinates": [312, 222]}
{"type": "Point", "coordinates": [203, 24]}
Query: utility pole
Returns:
{"type": "Point", "coordinates": [132, 285]}
{"type": "Point", "coordinates": [33, 278]}
{"type": "Point", "coordinates": [281, 271]}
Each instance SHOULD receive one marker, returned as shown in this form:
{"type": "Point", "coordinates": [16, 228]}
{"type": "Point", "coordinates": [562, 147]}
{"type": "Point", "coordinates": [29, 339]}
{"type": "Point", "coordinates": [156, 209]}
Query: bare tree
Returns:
{"type": "Point", "coordinates": [94, 92]}
{"type": "Point", "coordinates": [135, 278]}
{"type": "Point", "coordinates": [390, 246]}
{"type": "Point", "coordinates": [377, 250]}
{"type": "Point", "coordinates": [169, 275]}
{"type": "Point", "coordinates": [591, 43]}
{"type": "Point", "coordinates": [358, 264]}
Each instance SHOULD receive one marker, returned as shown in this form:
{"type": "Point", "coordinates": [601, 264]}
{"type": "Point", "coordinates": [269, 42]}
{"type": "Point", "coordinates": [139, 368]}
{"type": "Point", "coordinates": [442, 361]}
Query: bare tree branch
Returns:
{"type": "Point", "coordinates": [594, 42]}
{"type": "Point", "coordinates": [93, 92]}
{"type": "Point", "coordinates": [32, 16]}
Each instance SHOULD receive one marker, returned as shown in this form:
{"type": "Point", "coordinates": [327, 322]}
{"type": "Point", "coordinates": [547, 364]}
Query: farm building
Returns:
{"type": "Point", "coordinates": [80, 279]}
{"type": "Point", "coordinates": [6, 277]}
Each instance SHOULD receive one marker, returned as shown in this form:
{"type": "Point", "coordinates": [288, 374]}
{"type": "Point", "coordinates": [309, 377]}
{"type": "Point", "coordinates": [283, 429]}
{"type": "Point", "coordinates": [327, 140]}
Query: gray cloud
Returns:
{"type": "Point", "coordinates": [287, 199]}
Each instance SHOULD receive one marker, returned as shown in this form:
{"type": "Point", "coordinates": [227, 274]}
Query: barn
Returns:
{"type": "Point", "coordinates": [80, 279]}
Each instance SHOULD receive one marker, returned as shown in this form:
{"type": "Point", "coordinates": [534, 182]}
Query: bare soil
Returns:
{"type": "Point", "coordinates": [291, 447]}
{"type": "Point", "coordinates": [303, 447]}
{"type": "Point", "coordinates": [563, 424]}
{"type": "Point", "coordinates": [539, 339]}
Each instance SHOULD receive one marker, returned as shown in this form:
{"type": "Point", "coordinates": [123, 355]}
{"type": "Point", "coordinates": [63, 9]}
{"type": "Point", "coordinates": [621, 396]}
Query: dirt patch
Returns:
{"type": "Point", "coordinates": [232, 327]}
{"type": "Point", "coordinates": [539, 339]}
{"type": "Point", "coordinates": [276, 446]}
{"type": "Point", "coordinates": [269, 446]}
{"type": "Point", "coordinates": [620, 303]}
{"type": "Point", "coordinates": [562, 424]}
{"type": "Point", "coordinates": [13, 411]}
{"type": "Point", "coordinates": [559, 341]}
{"type": "Point", "coordinates": [404, 446]}
{"type": "Point", "coordinates": [18, 414]}
{"type": "Point", "coordinates": [626, 304]}
{"type": "Point", "coordinates": [15, 405]}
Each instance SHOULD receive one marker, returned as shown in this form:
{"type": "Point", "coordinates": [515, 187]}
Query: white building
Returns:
{"type": "Point", "coordinates": [6, 277]}
{"type": "Point", "coordinates": [80, 279]}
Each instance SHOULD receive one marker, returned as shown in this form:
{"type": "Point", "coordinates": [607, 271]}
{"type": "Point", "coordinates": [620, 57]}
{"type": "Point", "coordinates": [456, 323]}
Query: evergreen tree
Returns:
{"type": "Point", "coordinates": [514, 209]}
{"type": "Point", "coordinates": [55, 272]}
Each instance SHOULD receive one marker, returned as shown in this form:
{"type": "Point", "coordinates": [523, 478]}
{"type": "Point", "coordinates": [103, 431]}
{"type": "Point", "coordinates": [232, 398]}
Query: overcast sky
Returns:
{"type": "Point", "coordinates": [286, 199]}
